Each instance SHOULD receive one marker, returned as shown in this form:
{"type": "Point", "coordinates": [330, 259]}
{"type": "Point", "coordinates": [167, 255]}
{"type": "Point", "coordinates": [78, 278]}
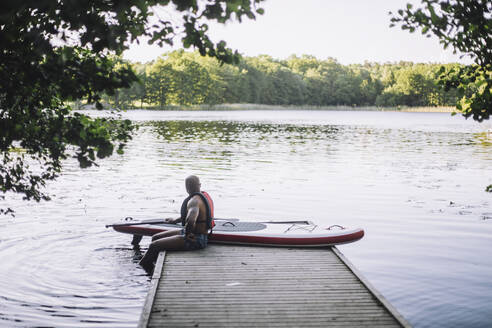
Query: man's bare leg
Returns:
{"type": "Point", "coordinates": [172, 243]}
{"type": "Point", "coordinates": [165, 234]}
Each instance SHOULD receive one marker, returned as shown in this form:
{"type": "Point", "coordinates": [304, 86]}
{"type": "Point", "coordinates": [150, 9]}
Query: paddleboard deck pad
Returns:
{"type": "Point", "coordinates": [237, 232]}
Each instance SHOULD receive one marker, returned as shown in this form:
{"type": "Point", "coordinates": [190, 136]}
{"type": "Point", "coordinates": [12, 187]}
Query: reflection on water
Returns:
{"type": "Point", "coordinates": [414, 181]}
{"type": "Point", "coordinates": [231, 132]}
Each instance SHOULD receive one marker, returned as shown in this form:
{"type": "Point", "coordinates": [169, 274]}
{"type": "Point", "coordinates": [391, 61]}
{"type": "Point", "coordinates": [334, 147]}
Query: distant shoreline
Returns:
{"type": "Point", "coordinates": [236, 107]}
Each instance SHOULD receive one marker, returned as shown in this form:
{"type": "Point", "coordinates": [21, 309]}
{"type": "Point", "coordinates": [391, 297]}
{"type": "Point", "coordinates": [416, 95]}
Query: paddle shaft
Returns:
{"type": "Point", "coordinates": [137, 223]}
{"type": "Point", "coordinates": [163, 221]}
{"type": "Point", "coordinates": [307, 222]}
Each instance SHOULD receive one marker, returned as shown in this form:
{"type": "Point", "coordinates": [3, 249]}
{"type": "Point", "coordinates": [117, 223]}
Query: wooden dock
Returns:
{"type": "Point", "coordinates": [242, 286]}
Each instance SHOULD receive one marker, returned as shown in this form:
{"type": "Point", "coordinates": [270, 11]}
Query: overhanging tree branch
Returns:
{"type": "Point", "coordinates": [52, 52]}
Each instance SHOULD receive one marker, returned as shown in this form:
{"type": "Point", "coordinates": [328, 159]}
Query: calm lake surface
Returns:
{"type": "Point", "coordinates": [414, 181]}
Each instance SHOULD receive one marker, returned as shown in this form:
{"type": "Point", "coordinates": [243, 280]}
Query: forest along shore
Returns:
{"type": "Point", "coordinates": [235, 107]}
{"type": "Point", "coordinates": [187, 79]}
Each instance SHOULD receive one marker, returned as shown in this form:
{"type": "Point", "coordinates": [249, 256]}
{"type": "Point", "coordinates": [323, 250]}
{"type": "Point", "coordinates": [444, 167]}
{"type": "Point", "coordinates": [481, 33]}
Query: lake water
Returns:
{"type": "Point", "coordinates": [414, 181]}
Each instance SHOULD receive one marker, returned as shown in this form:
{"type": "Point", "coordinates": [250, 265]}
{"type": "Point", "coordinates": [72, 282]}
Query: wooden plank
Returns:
{"type": "Point", "coordinates": [236, 300]}
{"type": "Point", "coordinates": [281, 313]}
{"type": "Point", "coordinates": [244, 292]}
{"type": "Point", "coordinates": [241, 286]}
{"type": "Point", "coordinates": [154, 284]}
{"type": "Point", "coordinates": [269, 316]}
{"type": "Point", "coordinates": [249, 324]}
{"type": "Point", "coordinates": [257, 321]}
{"type": "Point", "coordinates": [257, 279]}
{"type": "Point", "coordinates": [255, 290]}
{"type": "Point", "coordinates": [274, 322]}
{"type": "Point", "coordinates": [326, 305]}
{"type": "Point", "coordinates": [259, 267]}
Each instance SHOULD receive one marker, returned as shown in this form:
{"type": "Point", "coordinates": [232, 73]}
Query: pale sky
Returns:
{"type": "Point", "coordinates": [351, 31]}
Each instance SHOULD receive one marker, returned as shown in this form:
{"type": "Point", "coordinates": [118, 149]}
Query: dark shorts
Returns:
{"type": "Point", "coordinates": [199, 242]}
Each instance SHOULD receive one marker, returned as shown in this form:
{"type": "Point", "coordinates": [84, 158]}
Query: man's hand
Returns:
{"type": "Point", "coordinates": [190, 236]}
{"type": "Point", "coordinates": [188, 229]}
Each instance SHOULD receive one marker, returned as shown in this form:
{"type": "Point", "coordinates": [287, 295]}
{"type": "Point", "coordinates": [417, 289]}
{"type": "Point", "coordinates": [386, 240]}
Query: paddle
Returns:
{"type": "Point", "coordinates": [160, 221]}
{"type": "Point", "coordinates": [156, 221]}
{"type": "Point", "coordinates": [271, 222]}
{"type": "Point", "coordinates": [288, 222]}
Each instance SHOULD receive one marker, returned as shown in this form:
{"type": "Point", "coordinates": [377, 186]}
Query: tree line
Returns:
{"type": "Point", "coordinates": [186, 78]}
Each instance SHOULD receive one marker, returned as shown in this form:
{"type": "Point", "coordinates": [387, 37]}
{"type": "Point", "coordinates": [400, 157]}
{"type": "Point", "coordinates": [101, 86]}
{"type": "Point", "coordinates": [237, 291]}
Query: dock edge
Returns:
{"type": "Point", "coordinates": [143, 322]}
{"type": "Point", "coordinates": [391, 309]}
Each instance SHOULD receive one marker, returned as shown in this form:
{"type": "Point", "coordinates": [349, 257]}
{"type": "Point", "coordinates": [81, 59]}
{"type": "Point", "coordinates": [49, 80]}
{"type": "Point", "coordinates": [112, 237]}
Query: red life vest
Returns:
{"type": "Point", "coordinates": [209, 204]}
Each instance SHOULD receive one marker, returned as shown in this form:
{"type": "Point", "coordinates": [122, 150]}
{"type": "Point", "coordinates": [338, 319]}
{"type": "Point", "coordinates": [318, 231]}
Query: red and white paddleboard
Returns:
{"type": "Point", "coordinates": [234, 231]}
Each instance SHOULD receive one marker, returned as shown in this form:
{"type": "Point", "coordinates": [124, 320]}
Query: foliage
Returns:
{"type": "Point", "coordinates": [185, 78]}
{"type": "Point", "coordinates": [52, 52]}
{"type": "Point", "coordinates": [465, 25]}
{"type": "Point", "coordinates": [474, 86]}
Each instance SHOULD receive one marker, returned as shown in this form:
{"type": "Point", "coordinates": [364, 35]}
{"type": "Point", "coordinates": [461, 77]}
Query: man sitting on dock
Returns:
{"type": "Point", "coordinates": [197, 219]}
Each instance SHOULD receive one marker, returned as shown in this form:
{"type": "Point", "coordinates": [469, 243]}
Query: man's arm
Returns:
{"type": "Point", "coordinates": [173, 221]}
{"type": "Point", "coordinates": [192, 214]}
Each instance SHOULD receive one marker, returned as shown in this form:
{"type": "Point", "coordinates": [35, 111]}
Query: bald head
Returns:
{"type": "Point", "coordinates": [192, 184]}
